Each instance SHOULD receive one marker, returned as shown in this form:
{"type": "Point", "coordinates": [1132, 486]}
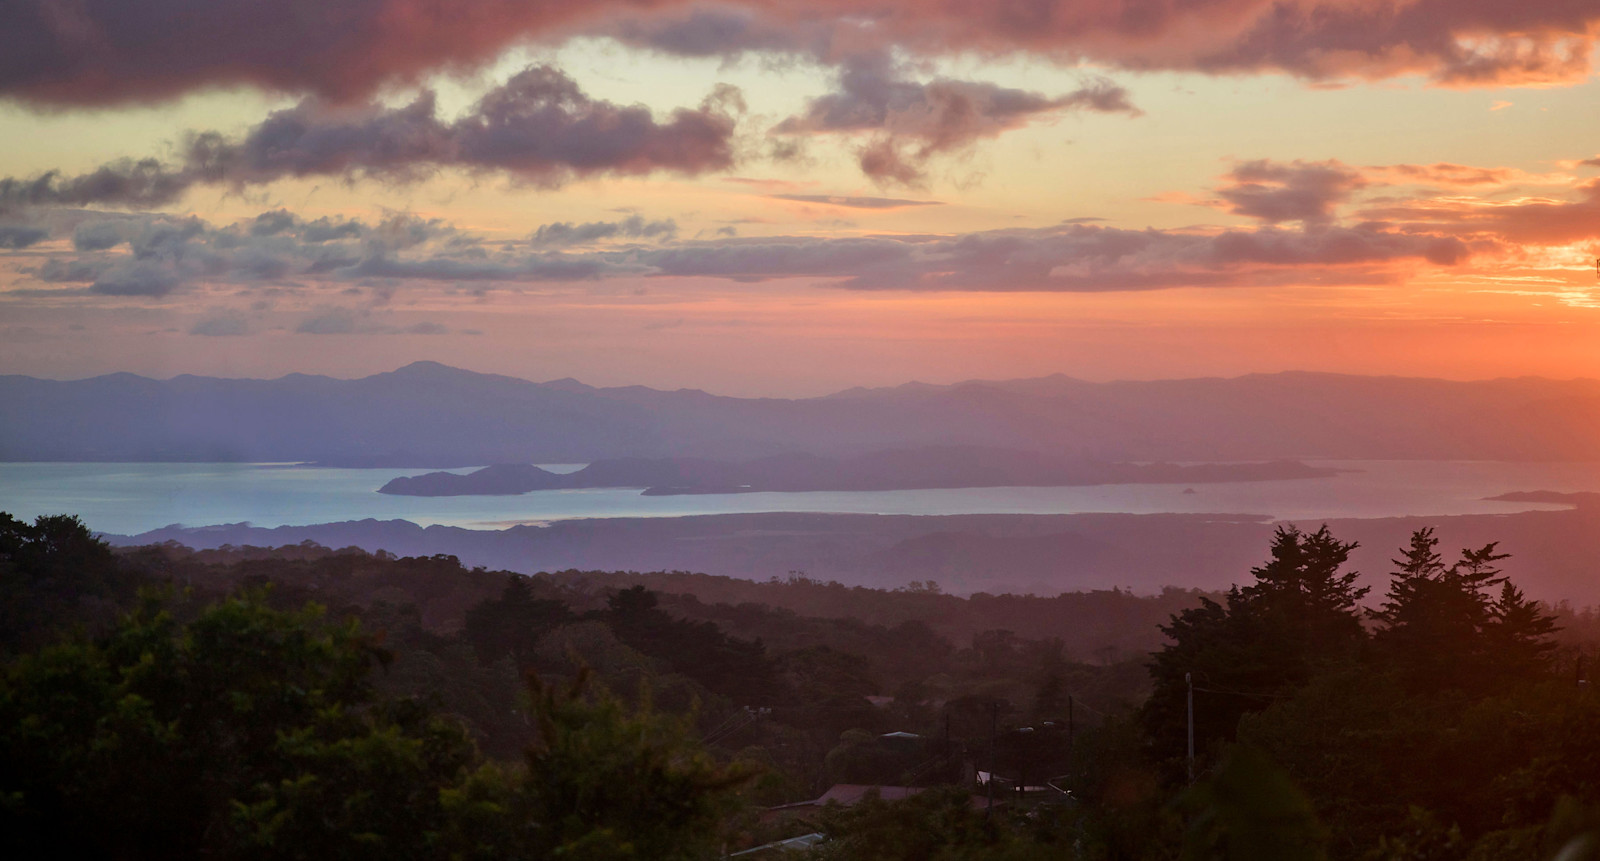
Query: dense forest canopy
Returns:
{"type": "Point", "coordinates": [307, 702]}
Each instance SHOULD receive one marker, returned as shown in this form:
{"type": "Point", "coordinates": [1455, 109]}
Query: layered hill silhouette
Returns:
{"type": "Point", "coordinates": [427, 415]}
{"type": "Point", "coordinates": [1552, 552]}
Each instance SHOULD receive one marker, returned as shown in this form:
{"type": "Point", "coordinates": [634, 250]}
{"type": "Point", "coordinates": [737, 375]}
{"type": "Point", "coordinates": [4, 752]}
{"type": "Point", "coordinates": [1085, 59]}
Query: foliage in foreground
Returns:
{"type": "Point", "coordinates": [255, 727]}
{"type": "Point", "coordinates": [1432, 727]}
{"type": "Point", "coordinates": [247, 732]}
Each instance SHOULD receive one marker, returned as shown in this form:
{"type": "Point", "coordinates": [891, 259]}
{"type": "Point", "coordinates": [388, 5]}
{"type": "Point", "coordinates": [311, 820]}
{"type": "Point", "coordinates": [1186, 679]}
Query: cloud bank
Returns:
{"type": "Point", "coordinates": [164, 255]}
{"type": "Point", "coordinates": [101, 52]}
{"type": "Point", "coordinates": [538, 127]}
{"type": "Point", "coordinates": [1314, 222]}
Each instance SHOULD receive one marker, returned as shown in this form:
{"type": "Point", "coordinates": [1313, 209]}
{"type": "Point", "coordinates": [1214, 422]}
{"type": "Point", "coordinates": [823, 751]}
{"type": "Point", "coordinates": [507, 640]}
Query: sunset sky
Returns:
{"type": "Point", "coordinates": [791, 198]}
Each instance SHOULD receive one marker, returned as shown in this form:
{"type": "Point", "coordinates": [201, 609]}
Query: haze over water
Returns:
{"type": "Point", "coordinates": [135, 497]}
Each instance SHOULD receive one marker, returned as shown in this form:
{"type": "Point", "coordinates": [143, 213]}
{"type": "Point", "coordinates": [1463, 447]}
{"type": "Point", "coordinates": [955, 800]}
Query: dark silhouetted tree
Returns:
{"type": "Point", "coordinates": [1298, 618]}
{"type": "Point", "coordinates": [55, 574]}
{"type": "Point", "coordinates": [735, 668]}
{"type": "Point", "coordinates": [246, 732]}
{"type": "Point", "coordinates": [513, 623]}
{"type": "Point", "coordinates": [1458, 627]}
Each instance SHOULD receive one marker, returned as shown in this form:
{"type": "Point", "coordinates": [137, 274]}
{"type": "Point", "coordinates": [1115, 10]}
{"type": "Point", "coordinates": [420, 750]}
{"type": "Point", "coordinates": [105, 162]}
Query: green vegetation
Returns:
{"type": "Point", "coordinates": [305, 702]}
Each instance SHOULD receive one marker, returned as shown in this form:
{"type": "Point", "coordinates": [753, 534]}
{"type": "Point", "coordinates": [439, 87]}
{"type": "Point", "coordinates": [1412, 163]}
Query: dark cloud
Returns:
{"type": "Point", "coordinates": [782, 257]}
{"type": "Point", "coordinates": [97, 235]}
{"type": "Point", "coordinates": [330, 230]}
{"type": "Point", "coordinates": [400, 230]}
{"type": "Point", "coordinates": [68, 271]}
{"type": "Point", "coordinates": [137, 279]}
{"type": "Point", "coordinates": [166, 253]}
{"type": "Point", "coordinates": [1454, 42]}
{"type": "Point", "coordinates": [563, 233]}
{"type": "Point", "coordinates": [723, 32]}
{"type": "Point", "coordinates": [536, 267]}
{"type": "Point", "coordinates": [164, 237]}
{"type": "Point", "coordinates": [345, 321]}
{"type": "Point", "coordinates": [910, 121]}
{"type": "Point", "coordinates": [15, 236]}
{"type": "Point", "coordinates": [851, 202]}
{"type": "Point", "coordinates": [1535, 221]}
{"type": "Point", "coordinates": [224, 325]}
{"type": "Point", "coordinates": [1070, 257]}
{"type": "Point", "coordinates": [273, 223]}
{"type": "Point", "coordinates": [99, 52]}
{"type": "Point", "coordinates": [1335, 247]}
{"type": "Point", "coordinates": [1295, 191]}
{"type": "Point", "coordinates": [314, 139]}
{"type": "Point", "coordinates": [143, 183]}
{"type": "Point", "coordinates": [334, 321]}
{"type": "Point", "coordinates": [538, 127]}
{"type": "Point", "coordinates": [1464, 43]}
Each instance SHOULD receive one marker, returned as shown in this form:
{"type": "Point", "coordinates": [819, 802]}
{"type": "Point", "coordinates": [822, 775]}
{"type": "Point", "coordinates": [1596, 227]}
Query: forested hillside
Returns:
{"type": "Point", "coordinates": [302, 701]}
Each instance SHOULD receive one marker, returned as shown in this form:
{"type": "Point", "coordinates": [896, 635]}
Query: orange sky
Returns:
{"type": "Point", "coordinates": [761, 198]}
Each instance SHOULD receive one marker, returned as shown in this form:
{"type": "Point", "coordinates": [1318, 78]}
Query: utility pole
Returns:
{"type": "Point", "coordinates": [948, 749]}
{"type": "Point", "coordinates": [994, 741]}
{"type": "Point", "coordinates": [1022, 769]}
{"type": "Point", "coordinates": [1069, 725]}
{"type": "Point", "coordinates": [1188, 679]}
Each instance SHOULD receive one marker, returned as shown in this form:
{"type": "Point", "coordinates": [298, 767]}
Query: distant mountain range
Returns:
{"type": "Point", "coordinates": [427, 415]}
{"type": "Point", "coordinates": [898, 469]}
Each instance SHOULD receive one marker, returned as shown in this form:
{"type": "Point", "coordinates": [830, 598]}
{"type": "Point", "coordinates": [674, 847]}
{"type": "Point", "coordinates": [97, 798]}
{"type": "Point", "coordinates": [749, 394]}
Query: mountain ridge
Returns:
{"type": "Point", "coordinates": [429, 364]}
{"type": "Point", "coordinates": [431, 415]}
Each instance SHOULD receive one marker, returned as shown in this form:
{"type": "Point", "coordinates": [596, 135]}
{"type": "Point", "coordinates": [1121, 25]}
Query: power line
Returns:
{"type": "Point", "coordinates": [1243, 694]}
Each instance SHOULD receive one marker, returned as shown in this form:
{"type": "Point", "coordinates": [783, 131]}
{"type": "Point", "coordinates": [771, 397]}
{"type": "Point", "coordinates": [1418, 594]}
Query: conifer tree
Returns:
{"type": "Point", "coordinates": [1300, 617]}
{"type": "Point", "coordinates": [1458, 627]}
{"type": "Point", "coordinates": [1519, 634]}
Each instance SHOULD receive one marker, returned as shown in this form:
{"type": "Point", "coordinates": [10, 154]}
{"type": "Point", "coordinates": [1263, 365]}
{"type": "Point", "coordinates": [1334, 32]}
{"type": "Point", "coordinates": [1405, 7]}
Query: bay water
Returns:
{"type": "Point", "coordinates": [128, 498]}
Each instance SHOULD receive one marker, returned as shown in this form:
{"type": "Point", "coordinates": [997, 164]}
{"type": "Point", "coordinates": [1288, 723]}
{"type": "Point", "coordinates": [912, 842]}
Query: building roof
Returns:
{"type": "Point", "coordinates": [803, 842]}
{"type": "Point", "coordinates": [850, 794]}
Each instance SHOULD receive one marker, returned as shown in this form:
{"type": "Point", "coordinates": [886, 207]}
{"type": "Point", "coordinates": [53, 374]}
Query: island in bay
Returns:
{"type": "Point", "coordinates": [926, 468]}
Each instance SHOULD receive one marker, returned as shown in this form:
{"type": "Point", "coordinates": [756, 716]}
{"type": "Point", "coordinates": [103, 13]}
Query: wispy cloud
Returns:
{"type": "Point", "coordinates": [562, 234]}
{"type": "Point", "coordinates": [855, 201]}
{"type": "Point", "coordinates": [908, 122]}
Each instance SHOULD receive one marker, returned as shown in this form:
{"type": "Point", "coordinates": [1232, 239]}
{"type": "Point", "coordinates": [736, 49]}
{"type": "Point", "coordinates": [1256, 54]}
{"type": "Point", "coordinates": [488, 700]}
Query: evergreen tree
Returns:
{"type": "Point", "coordinates": [729, 666]}
{"type": "Point", "coordinates": [55, 574]}
{"type": "Point", "coordinates": [1430, 616]}
{"type": "Point", "coordinates": [513, 623]}
{"type": "Point", "coordinates": [1459, 627]}
{"type": "Point", "coordinates": [1518, 634]}
{"type": "Point", "coordinates": [1303, 589]}
{"type": "Point", "coordinates": [1299, 618]}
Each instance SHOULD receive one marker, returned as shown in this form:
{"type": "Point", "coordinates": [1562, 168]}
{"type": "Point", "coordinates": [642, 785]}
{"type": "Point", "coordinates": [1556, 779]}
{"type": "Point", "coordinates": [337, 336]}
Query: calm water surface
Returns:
{"type": "Point", "coordinates": [135, 497]}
